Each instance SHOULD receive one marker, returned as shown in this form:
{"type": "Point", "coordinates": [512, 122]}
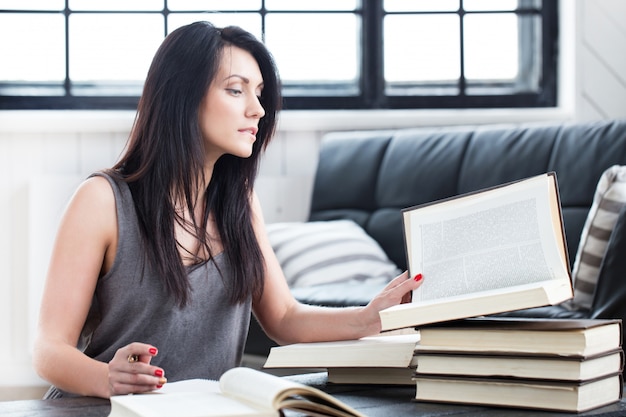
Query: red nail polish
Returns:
{"type": "Point", "coordinates": [153, 351]}
{"type": "Point", "coordinates": [159, 386]}
{"type": "Point", "coordinates": [158, 373]}
{"type": "Point", "coordinates": [417, 277]}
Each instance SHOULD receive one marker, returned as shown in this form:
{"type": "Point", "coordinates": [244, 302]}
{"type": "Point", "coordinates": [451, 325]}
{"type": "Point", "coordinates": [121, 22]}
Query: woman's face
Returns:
{"type": "Point", "coordinates": [230, 111]}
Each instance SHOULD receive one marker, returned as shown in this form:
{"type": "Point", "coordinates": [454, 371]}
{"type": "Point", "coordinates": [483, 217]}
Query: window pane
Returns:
{"type": "Point", "coordinates": [210, 5]}
{"type": "Point", "coordinates": [491, 46]}
{"type": "Point", "coordinates": [311, 5]}
{"type": "Point", "coordinates": [32, 55]}
{"type": "Point", "coordinates": [121, 5]}
{"type": "Point", "coordinates": [421, 5]}
{"type": "Point", "coordinates": [248, 21]}
{"type": "Point", "coordinates": [527, 53]}
{"type": "Point", "coordinates": [32, 4]}
{"type": "Point", "coordinates": [113, 46]}
{"type": "Point", "coordinates": [420, 49]}
{"type": "Point", "coordinates": [313, 55]}
{"type": "Point", "coordinates": [474, 5]}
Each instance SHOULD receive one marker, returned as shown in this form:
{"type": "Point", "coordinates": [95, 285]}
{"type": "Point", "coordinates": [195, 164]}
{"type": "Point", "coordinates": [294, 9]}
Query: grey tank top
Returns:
{"type": "Point", "coordinates": [201, 340]}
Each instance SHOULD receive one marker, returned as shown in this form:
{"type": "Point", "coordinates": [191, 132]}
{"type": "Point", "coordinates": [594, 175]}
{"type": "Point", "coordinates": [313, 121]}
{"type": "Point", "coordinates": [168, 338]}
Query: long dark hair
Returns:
{"type": "Point", "coordinates": [164, 159]}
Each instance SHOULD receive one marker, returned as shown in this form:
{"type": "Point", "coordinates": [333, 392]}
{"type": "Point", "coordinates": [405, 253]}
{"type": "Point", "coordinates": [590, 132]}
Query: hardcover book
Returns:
{"type": "Point", "coordinates": [561, 337]}
{"type": "Point", "coordinates": [387, 351]}
{"type": "Point", "coordinates": [494, 250]}
{"type": "Point", "coordinates": [495, 364]}
{"type": "Point", "coordinates": [534, 394]}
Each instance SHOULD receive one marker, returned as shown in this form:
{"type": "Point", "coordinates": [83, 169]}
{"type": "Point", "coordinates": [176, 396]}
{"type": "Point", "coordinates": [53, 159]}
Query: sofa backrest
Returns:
{"type": "Point", "coordinates": [369, 176]}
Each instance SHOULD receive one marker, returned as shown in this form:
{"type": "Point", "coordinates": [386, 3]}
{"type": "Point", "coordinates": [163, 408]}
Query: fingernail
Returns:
{"type": "Point", "coordinates": [158, 372]}
{"type": "Point", "coordinates": [153, 351]}
{"type": "Point", "coordinates": [417, 277]}
{"type": "Point", "coordinates": [159, 386]}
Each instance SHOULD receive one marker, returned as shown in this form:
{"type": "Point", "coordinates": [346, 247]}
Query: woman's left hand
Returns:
{"type": "Point", "coordinates": [398, 291]}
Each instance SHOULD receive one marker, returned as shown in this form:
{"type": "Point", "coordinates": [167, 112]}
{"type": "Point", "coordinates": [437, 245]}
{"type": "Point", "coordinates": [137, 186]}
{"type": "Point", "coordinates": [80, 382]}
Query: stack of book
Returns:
{"type": "Point", "coordinates": [570, 365]}
{"type": "Point", "coordinates": [551, 364]}
{"type": "Point", "coordinates": [384, 359]}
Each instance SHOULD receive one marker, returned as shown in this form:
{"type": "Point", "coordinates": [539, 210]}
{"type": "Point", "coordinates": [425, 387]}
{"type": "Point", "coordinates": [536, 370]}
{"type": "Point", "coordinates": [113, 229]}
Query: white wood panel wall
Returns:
{"type": "Point", "coordinates": [38, 172]}
{"type": "Point", "coordinates": [601, 60]}
{"type": "Point", "coordinates": [39, 166]}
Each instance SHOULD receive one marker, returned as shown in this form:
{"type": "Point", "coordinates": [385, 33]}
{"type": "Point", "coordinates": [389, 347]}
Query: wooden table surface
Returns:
{"type": "Point", "coordinates": [371, 400]}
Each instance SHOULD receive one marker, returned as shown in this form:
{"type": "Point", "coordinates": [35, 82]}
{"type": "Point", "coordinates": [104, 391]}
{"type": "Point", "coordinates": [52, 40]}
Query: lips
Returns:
{"type": "Point", "coordinates": [250, 130]}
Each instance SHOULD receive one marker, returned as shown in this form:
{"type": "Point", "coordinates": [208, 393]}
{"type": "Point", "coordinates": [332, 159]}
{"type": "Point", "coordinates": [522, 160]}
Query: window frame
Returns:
{"type": "Point", "coordinates": [371, 84]}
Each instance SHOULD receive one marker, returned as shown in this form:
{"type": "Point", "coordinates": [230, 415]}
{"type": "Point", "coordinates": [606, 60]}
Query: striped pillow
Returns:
{"type": "Point", "coordinates": [323, 252]}
{"type": "Point", "coordinates": [609, 199]}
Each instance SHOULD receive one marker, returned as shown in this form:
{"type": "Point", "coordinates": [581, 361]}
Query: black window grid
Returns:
{"type": "Point", "coordinates": [371, 89]}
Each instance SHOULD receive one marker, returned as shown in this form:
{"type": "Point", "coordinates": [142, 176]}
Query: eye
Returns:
{"type": "Point", "coordinates": [234, 91]}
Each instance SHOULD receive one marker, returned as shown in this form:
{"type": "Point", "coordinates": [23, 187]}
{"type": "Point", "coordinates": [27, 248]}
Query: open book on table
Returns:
{"type": "Point", "coordinates": [494, 250]}
{"type": "Point", "coordinates": [240, 392]}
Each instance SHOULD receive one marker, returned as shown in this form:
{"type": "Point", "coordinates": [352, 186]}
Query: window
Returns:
{"type": "Point", "coordinates": [332, 54]}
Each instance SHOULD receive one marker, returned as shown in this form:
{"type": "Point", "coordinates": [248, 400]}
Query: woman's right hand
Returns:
{"type": "Point", "coordinates": [130, 370]}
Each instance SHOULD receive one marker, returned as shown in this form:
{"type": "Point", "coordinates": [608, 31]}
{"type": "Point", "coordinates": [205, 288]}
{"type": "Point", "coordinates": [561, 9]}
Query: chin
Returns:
{"type": "Point", "coordinates": [243, 153]}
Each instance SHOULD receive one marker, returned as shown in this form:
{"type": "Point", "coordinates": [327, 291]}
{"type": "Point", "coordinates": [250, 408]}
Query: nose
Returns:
{"type": "Point", "coordinates": [255, 109]}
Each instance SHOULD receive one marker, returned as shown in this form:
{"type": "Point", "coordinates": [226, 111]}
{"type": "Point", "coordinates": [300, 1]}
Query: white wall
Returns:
{"type": "Point", "coordinates": [44, 154]}
{"type": "Point", "coordinates": [601, 59]}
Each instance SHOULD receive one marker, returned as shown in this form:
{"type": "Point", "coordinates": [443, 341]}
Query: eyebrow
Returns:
{"type": "Point", "coordinates": [241, 77]}
{"type": "Point", "coordinates": [244, 79]}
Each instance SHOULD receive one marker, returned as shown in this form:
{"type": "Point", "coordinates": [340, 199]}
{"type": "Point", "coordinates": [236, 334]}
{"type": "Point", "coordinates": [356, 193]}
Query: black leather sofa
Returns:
{"type": "Point", "coordinates": [368, 176]}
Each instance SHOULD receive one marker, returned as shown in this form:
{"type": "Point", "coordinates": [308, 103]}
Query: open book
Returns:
{"type": "Point", "coordinates": [240, 392]}
{"type": "Point", "coordinates": [494, 250]}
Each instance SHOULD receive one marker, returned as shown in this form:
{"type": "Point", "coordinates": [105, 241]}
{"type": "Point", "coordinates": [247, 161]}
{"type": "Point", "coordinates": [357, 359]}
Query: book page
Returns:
{"type": "Point", "coordinates": [486, 241]}
{"type": "Point", "coordinates": [190, 385]}
{"type": "Point", "coordinates": [265, 390]}
{"type": "Point", "coordinates": [254, 386]}
{"type": "Point", "coordinates": [187, 404]}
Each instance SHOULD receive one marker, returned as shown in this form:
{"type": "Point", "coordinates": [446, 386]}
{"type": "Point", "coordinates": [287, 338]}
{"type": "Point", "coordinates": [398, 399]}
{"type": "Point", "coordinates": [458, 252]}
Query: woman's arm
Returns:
{"type": "Point", "coordinates": [84, 249]}
{"type": "Point", "coordinates": [286, 320]}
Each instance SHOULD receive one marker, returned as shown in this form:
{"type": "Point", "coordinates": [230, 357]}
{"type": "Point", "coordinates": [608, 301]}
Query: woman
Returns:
{"type": "Point", "coordinates": [160, 260]}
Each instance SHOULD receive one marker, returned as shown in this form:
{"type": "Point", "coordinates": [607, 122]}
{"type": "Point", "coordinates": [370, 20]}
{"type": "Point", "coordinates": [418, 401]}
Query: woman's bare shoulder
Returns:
{"type": "Point", "coordinates": [94, 198]}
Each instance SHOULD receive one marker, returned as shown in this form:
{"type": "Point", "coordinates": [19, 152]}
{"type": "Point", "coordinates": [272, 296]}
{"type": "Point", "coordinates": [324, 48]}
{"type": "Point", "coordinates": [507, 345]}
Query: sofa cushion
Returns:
{"type": "Point", "coordinates": [609, 199]}
{"type": "Point", "coordinates": [610, 293]}
{"type": "Point", "coordinates": [314, 253]}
